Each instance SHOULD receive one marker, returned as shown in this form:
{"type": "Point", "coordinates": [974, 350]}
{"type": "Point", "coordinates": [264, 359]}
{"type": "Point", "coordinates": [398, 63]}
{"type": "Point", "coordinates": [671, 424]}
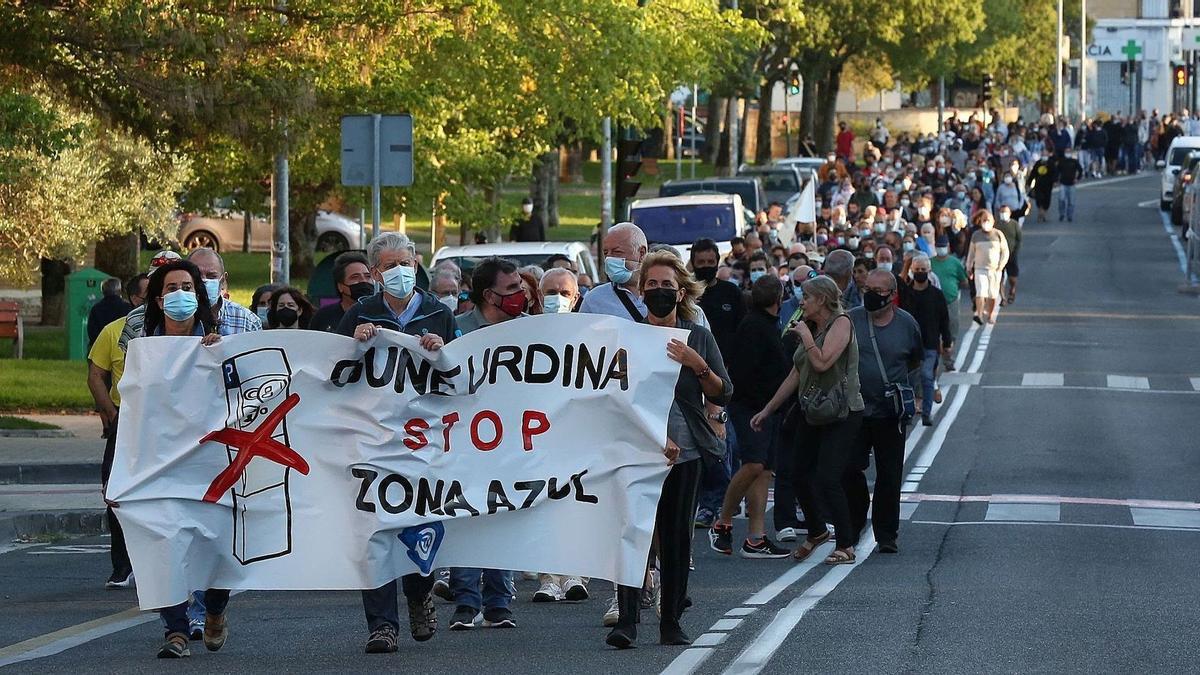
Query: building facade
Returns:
{"type": "Point", "coordinates": [1142, 55]}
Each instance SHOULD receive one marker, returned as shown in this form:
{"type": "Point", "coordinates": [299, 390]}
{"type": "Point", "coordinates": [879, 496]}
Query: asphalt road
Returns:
{"type": "Point", "coordinates": [1051, 522]}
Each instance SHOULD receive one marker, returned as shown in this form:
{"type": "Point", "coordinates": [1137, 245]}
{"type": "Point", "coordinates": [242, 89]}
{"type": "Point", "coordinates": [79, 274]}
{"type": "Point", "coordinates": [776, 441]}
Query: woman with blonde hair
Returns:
{"type": "Point", "coordinates": [670, 294]}
{"type": "Point", "coordinates": [825, 374]}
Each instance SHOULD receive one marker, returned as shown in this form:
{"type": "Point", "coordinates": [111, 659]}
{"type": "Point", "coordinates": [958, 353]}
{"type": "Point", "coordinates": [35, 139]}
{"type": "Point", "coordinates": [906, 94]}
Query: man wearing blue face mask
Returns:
{"type": "Point", "coordinates": [399, 306]}
{"type": "Point", "coordinates": [624, 247]}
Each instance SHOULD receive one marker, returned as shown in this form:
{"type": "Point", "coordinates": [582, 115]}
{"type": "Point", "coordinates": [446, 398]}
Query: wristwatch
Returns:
{"type": "Point", "coordinates": [721, 417]}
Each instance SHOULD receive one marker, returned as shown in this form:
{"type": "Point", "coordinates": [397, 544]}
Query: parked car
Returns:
{"type": "Point", "coordinates": [780, 182]}
{"type": "Point", "coordinates": [522, 253]}
{"type": "Point", "coordinates": [225, 230]}
{"type": "Point", "coordinates": [748, 188]}
{"type": "Point", "coordinates": [1188, 187]}
{"type": "Point", "coordinates": [1172, 166]}
{"type": "Point", "coordinates": [805, 164]}
{"type": "Point", "coordinates": [680, 221]}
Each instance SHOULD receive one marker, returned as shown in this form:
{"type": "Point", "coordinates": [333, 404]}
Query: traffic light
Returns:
{"type": "Point", "coordinates": [1125, 73]}
{"type": "Point", "coordinates": [794, 82]}
{"type": "Point", "coordinates": [987, 88]}
{"type": "Point", "coordinates": [1181, 76]}
{"type": "Point", "coordinates": [629, 162]}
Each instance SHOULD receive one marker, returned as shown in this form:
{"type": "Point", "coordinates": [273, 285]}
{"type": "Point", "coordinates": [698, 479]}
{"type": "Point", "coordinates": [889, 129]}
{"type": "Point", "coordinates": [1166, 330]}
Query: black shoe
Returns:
{"type": "Point", "coordinates": [673, 635]}
{"type": "Point", "coordinates": [499, 617]}
{"type": "Point", "coordinates": [422, 618]}
{"type": "Point", "coordinates": [120, 579]}
{"type": "Point", "coordinates": [464, 618]}
{"type": "Point", "coordinates": [176, 647]}
{"type": "Point", "coordinates": [926, 421]}
{"type": "Point", "coordinates": [687, 601]}
{"type": "Point", "coordinates": [720, 538]}
{"type": "Point", "coordinates": [889, 547]}
{"type": "Point", "coordinates": [382, 640]}
{"type": "Point", "coordinates": [622, 637]}
{"type": "Point", "coordinates": [978, 320]}
{"type": "Point", "coordinates": [763, 549]}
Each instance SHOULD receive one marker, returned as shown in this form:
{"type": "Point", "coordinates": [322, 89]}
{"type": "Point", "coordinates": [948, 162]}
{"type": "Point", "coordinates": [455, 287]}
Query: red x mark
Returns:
{"type": "Point", "coordinates": [251, 445]}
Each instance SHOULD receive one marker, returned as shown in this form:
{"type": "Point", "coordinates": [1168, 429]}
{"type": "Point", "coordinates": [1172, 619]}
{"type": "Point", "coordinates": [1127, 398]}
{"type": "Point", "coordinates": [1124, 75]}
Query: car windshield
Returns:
{"type": "Point", "coordinates": [745, 189]}
{"type": "Point", "coordinates": [1178, 155]}
{"type": "Point", "coordinates": [779, 181]}
{"type": "Point", "coordinates": [466, 263]}
{"type": "Point", "coordinates": [685, 223]}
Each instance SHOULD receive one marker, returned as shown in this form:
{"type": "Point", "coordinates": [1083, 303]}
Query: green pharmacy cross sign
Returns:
{"type": "Point", "coordinates": [1131, 49]}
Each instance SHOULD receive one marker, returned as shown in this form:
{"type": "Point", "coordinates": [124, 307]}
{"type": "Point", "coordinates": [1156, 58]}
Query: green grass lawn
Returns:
{"type": "Point", "coordinates": [10, 422]}
{"type": "Point", "coordinates": [43, 385]}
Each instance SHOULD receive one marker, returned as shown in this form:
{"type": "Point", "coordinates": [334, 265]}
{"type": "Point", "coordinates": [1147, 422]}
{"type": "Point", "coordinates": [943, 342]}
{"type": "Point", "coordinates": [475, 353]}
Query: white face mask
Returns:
{"type": "Point", "coordinates": [905, 202]}
{"type": "Point", "coordinates": [527, 208]}
{"type": "Point", "coordinates": [908, 246]}
{"type": "Point", "coordinates": [885, 266]}
{"type": "Point", "coordinates": [555, 304]}
{"type": "Point", "coordinates": [450, 301]}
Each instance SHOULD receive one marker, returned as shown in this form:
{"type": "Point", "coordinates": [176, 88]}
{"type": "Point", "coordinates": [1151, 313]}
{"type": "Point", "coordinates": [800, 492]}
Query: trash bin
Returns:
{"type": "Point", "coordinates": [83, 291]}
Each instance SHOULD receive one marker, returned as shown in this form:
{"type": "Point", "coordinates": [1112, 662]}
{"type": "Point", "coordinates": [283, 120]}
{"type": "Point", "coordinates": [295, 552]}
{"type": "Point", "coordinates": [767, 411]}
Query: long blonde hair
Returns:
{"type": "Point", "coordinates": [687, 308]}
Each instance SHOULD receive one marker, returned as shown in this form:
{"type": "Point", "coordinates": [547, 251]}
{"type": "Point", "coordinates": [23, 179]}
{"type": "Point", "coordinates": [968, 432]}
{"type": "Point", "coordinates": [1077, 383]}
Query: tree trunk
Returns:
{"type": "Point", "coordinates": [829, 94]}
{"type": "Point", "coordinates": [743, 132]}
{"type": "Point", "coordinates": [118, 256]}
{"type": "Point", "coordinates": [809, 104]}
{"type": "Point", "coordinates": [302, 239]}
{"type": "Point", "coordinates": [722, 163]}
{"type": "Point", "coordinates": [543, 183]}
{"type": "Point", "coordinates": [765, 127]}
{"type": "Point", "coordinates": [712, 129]}
{"type": "Point", "coordinates": [54, 291]}
{"type": "Point", "coordinates": [575, 162]}
{"type": "Point", "coordinates": [553, 174]}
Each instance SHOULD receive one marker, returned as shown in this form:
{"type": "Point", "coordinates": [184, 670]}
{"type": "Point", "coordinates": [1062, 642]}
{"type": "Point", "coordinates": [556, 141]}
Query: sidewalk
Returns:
{"type": "Point", "coordinates": [52, 485]}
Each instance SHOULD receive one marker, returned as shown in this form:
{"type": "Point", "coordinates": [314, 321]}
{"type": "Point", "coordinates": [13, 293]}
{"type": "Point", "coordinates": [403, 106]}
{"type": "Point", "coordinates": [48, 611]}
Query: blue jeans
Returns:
{"type": "Point", "coordinates": [195, 609]}
{"type": "Point", "coordinates": [176, 618]}
{"type": "Point", "coordinates": [715, 477]}
{"type": "Point", "coordinates": [381, 604]}
{"type": "Point", "coordinates": [497, 587]}
{"type": "Point", "coordinates": [928, 368]}
{"type": "Point", "coordinates": [1066, 202]}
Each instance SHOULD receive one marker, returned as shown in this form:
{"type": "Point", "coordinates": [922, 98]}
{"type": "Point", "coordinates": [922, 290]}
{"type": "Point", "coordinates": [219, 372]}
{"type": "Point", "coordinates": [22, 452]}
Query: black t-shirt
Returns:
{"type": "Point", "coordinates": [722, 304]}
{"type": "Point", "coordinates": [327, 318]}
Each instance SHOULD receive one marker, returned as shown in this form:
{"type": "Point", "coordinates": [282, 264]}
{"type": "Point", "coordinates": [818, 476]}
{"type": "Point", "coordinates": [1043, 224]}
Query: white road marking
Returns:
{"type": "Point", "coordinates": [687, 662]}
{"type": "Point", "coordinates": [965, 348]}
{"type": "Point", "coordinates": [61, 640]}
{"type": "Point", "coordinates": [1165, 517]}
{"type": "Point", "coordinates": [741, 611]}
{"type": "Point", "coordinates": [773, 589]}
{"type": "Point", "coordinates": [931, 450]}
{"type": "Point", "coordinates": [1043, 513]}
{"type": "Point", "coordinates": [709, 639]}
{"type": "Point", "coordinates": [1179, 252]}
{"type": "Point", "coordinates": [1103, 526]}
{"type": "Point", "coordinates": [1042, 380]}
{"type": "Point", "coordinates": [1128, 382]}
{"type": "Point", "coordinates": [759, 652]}
{"type": "Point", "coordinates": [725, 624]}
{"type": "Point", "coordinates": [984, 341]}
{"type": "Point", "coordinates": [1108, 181]}
{"type": "Point", "coordinates": [1148, 202]}
{"type": "Point", "coordinates": [1130, 390]}
{"type": "Point", "coordinates": [72, 549]}
{"type": "Point", "coordinates": [1195, 383]}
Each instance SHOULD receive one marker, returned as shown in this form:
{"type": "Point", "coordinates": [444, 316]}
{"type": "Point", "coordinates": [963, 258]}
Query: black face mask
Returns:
{"type": "Point", "coordinates": [706, 274]}
{"type": "Point", "coordinates": [286, 316]}
{"type": "Point", "coordinates": [361, 290]}
{"type": "Point", "coordinates": [873, 302]}
{"type": "Point", "coordinates": [920, 277]}
{"type": "Point", "coordinates": [661, 301]}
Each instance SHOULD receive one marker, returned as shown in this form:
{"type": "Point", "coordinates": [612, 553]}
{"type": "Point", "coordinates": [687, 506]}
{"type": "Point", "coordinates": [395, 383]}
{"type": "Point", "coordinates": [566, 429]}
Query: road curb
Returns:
{"type": "Point", "coordinates": [32, 524]}
{"type": "Point", "coordinates": [36, 433]}
{"type": "Point", "coordinates": [43, 474]}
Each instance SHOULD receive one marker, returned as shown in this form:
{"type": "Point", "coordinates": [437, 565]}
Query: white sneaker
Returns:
{"type": "Point", "coordinates": [613, 614]}
{"type": "Point", "coordinates": [575, 590]}
{"type": "Point", "coordinates": [786, 534]}
{"type": "Point", "coordinates": [549, 592]}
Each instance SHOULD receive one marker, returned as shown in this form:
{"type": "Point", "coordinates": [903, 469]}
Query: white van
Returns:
{"type": "Point", "coordinates": [1176, 156]}
{"type": "Point", "coordinates": [681, 220]}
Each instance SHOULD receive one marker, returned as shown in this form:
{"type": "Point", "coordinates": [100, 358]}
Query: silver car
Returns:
{"type": "Point", "coordinates": [225, 231]}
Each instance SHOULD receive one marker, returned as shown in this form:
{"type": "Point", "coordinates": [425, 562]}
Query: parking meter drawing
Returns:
{"type": "Point", "coordinates": [257, 393]}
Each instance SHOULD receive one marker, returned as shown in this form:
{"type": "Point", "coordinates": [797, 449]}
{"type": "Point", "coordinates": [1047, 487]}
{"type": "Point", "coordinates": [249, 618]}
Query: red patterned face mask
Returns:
{"type": "Point", "coordinates": [513, 303]}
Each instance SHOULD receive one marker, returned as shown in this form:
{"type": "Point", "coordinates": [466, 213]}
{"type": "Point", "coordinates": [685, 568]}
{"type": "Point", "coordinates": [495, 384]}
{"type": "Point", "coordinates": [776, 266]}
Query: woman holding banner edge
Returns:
{"type": "Point", "coordinates": [670, 295]}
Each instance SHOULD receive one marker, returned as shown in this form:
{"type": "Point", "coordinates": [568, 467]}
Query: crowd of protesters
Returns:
{"type": "Point", "coordinates": [812, 349]}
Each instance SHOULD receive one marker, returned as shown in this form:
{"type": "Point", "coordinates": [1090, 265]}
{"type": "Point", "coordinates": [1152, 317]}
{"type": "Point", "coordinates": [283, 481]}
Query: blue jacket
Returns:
{"type": "Point", "coordinates": [432, 317]}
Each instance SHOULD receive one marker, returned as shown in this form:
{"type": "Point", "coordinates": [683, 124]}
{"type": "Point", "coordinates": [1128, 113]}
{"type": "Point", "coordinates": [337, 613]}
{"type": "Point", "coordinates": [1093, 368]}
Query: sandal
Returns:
{"type": "Point", "coordinates": [810, 544]}
{"type": "Point", "coordinates": [840, 556]}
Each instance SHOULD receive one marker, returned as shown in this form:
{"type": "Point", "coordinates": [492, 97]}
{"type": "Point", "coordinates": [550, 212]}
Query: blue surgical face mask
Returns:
{"type": "Point", "coordinates": [213, 287]}
{"type": "Point", "coordinates": [262, 314]}
{"type": "Point", "coordinates": [616, 270]}
{"type": "Point", "coordinates": [180, 305]}
{"type": "Point", "coordinates": [755, 275]}
{"type": "Point", "coordinates": [399, 281]}
{"type": "Point", "coordinates": [555, 304]}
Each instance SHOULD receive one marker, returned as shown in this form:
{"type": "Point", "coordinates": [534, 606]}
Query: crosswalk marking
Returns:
{"type": "Point", "coordinates": [1042, 380]}
{"type": "Point", "coordinates": [1128, 382]}
{"type": "Point", "coordinates": [1165, 517]}
{"type": "Point", "coordinates": [1044, 513]}
{"type": "Point", "coordinates": [1196, 383]}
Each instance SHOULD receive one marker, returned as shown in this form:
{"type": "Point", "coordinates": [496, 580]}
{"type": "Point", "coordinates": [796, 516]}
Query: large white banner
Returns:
{"type": "Point", "coordinates": [305, 460]}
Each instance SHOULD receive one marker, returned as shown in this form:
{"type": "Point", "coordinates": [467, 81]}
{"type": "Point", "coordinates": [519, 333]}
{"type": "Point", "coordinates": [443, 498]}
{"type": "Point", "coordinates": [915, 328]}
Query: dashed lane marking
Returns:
{"type": "Point", "coordinates": [1043, 513]}
{"type": "Point", "coordinates": [1127, 382]}
{"type": "Point", "coordinates": [1042, 380]}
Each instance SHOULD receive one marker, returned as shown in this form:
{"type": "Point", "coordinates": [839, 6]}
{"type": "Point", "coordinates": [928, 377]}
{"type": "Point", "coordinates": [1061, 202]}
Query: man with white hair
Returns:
{"type": "Point", "coordinates": [839, 266]}
{"type": "Point", "coordinates": [560, 291]}
{"type": "Point", "coordinates": [624, 247]}
{"type": "Point", "coordinates": [399, 306]}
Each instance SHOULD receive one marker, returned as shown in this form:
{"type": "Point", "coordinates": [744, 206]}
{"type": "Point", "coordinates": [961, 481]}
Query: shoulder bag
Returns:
{"type": "Point", "coordinates": [902, 396]}
{"type": "Point", "coordinates": [822, 407]}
